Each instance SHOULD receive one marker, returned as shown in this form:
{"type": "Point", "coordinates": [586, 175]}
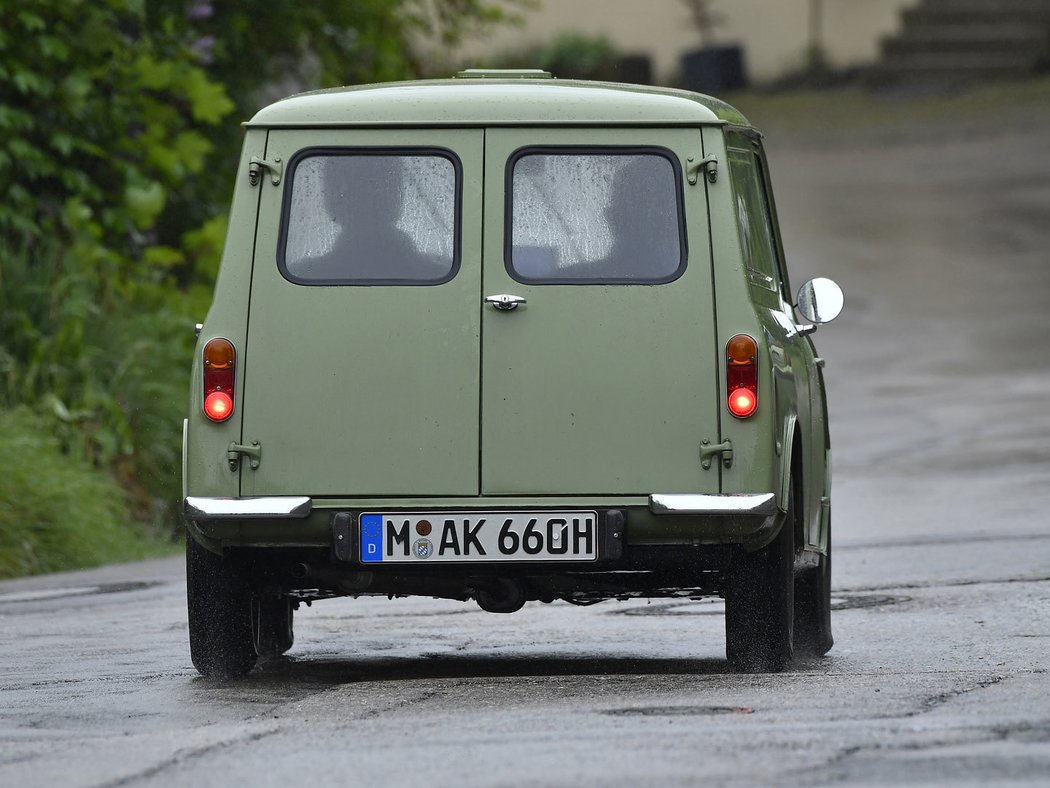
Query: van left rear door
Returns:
{"type": "Point", "coordinates": [362, 357]}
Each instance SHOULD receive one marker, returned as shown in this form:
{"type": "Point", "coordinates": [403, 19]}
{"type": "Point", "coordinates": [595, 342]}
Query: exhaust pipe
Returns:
{"type": "Point", "coordinates": [500, 595]}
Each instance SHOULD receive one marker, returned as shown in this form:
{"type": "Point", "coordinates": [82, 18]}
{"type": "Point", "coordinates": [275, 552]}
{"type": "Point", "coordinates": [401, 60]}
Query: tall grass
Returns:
{"type": "Point", "coordinates": [58, 511]}
{"type": "Point", "coordinates": [94, 358]}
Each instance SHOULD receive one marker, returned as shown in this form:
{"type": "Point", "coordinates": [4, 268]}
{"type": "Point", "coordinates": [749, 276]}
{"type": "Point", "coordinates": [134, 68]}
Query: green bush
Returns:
{"type": "Point", "coordinates": [105, 363]}
{"type": "Point", "coordinates": [568, 56]}
{"type": "Point", "coordinates": [57, 511]}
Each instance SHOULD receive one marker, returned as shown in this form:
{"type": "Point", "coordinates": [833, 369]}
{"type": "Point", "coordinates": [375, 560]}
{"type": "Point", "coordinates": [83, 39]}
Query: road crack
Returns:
{"type": "Point", "coordinates": [945, 584]}
{"type": "Point", "coordinates": [926, 705]}
{"type": "Point", "coordinates": [936, 701]}
{"type": "Point", "coordinates": [186, 755]}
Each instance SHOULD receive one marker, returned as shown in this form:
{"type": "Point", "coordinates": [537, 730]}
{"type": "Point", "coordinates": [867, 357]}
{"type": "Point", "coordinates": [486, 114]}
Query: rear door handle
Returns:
{"type": "Point", "coordinates": [504, 302]}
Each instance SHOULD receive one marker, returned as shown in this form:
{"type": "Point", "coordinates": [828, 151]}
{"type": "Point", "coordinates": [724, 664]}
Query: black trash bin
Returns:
{"type": "Point", "coordinates": [714, 69]}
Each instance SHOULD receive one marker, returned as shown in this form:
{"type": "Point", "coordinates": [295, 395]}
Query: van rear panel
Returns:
{"type": "Point", "coordinates": [378, 364]}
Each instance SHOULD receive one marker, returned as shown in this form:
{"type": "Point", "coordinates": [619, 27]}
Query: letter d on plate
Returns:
{"type": "Point", "coordinates": [371, 538]}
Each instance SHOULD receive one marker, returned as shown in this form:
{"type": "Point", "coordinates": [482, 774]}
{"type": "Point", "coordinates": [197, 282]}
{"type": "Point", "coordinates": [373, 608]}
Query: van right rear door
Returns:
{"type": "Point", "coordinates": [604, 380]}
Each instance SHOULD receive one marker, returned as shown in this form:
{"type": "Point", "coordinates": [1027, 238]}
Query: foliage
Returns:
{"type": "Point", "coordinates": [57, 511]}
{"type": "Point", "coordinates": [117, 145]}
{"type": "Point", "coordinates": [568, 56]}
{"type": "Point", "coordinates": [98, 122]}
{"type": "Point", "coordinates": [262, 50]}
{"type": "Point", "coordinates": [105, 361]}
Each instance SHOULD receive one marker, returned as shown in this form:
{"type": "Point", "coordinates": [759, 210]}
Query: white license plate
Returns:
{"type": "Point", "coordinates": [425, 537]}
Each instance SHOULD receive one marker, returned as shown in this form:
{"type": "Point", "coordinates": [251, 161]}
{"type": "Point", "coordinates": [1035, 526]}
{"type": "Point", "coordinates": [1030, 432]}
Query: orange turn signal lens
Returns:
{"type": "Point", "coordinates": [741, 349]}
{"type": "Point", "coordinates": [742, 402]}
{"type": "Point", "coordinates": [218, 354]}
{"type": "Point", "coordinates": [218, 406]}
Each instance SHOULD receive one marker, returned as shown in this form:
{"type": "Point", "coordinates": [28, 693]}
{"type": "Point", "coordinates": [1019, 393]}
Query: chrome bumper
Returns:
{"type": "Point", "coordinates": [291, 506]}
{"type": "Point", "coordinates": [755, 504]}
{"type": "Point", "coordinates": [227, 508]}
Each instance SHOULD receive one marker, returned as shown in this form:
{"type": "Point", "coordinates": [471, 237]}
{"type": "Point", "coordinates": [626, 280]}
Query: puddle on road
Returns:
{"type": "Point", "coordinates": [678, 711]}
{"type": "Point", "coordinates": [858, 601]}
{"type": "Point", "coordinates": [716, 607]}
{"type": "Point", "coordinates": [45, 594]}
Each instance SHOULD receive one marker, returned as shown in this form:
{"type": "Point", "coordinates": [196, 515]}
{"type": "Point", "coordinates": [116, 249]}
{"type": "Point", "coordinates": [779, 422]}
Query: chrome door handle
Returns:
{"type": "Point", "coordinates": [504, 302]}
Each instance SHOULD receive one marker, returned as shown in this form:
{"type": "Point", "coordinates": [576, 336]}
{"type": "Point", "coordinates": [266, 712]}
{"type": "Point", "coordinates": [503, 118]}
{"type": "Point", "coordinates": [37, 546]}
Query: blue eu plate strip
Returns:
{"type": "Point", "coordinates": [371, 538]}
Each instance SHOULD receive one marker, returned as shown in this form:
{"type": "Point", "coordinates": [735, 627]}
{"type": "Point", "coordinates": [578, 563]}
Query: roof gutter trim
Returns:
{"type": "Point", "coordinates": [480, 124]}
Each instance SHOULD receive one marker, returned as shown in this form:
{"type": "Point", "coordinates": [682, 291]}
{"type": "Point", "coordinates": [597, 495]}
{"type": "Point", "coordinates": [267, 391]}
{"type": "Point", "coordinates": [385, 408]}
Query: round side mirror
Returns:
{"type": "Point", "coordinates": [819, 300]}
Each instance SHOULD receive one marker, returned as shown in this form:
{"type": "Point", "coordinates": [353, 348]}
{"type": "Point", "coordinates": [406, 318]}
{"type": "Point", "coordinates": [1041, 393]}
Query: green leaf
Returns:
{"type": "Point", "coordinates": [153, 74]}
{"type": "Point", "coordinates": [208, 100]}
{"type": "Point", "coordinates": [15, 120]}
{"type": "Point", "coordinates": [31, 22]}
{"type": "Point", "coordinates": [192, 147]}
{"type": "Point", "coordinates": [54, 48]}
{"type": "Point", "coordinates": [28, 82]}
{"type": "Point", "coordinates": [164, 257]}
{"type": "Point", "coordinates": [144, 203]}
{"type": "Point", "coordinates": [76, 88]}
{"type": "Point", "coordinates": [62, 142]}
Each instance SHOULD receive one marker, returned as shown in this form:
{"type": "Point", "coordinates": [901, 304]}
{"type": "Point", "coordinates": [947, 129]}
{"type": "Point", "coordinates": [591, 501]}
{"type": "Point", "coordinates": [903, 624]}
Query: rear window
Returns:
{"type": "Point", "coordinates": [595, 216]}
{"type": "Point", "coordinates": [368, 217]}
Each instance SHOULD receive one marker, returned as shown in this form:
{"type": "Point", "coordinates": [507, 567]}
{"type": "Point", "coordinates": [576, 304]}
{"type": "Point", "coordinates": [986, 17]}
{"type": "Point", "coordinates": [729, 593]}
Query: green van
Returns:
{"type": "Point", "coordinates": [506, 338]}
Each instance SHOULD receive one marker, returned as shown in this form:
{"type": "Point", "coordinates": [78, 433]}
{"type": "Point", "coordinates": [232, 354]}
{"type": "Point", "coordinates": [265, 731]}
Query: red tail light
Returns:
{"type": "Point", "coordinates": [742, 376]}
{"type": "Point", "coordinates": [219, 371]}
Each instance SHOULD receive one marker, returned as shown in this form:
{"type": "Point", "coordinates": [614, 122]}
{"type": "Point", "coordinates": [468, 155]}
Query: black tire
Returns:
{"type": "Point", "coordinates": [813, 608]}
{"type": "Point", "coordinates": [274, 634]}
{"type": "Point", "coordinates": [760, 604]}
{"type": "Point", "coordinates": [219, 604]}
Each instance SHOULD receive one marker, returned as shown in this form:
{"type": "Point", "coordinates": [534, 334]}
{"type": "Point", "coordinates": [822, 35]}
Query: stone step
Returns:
{"type": "Point", "coordinates": [950, 67]}
{"type": "Point", "coordinates": [966, 38]}
{"type": "Point", "coordinates": [966, 12]}
{"type": "Point", "coordinates": [993, 6]}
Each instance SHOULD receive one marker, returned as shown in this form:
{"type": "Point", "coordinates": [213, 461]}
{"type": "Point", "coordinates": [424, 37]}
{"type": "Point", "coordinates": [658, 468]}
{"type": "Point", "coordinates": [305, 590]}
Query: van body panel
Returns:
{"type": "Point", "coordinates": [205, 466]}
{"type": "Point", "coordinates": [597, 388]}
{"type": "Point", "coordinates": [356, 389]}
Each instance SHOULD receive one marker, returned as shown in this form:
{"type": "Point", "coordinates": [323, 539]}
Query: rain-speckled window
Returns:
{"type": "Point", "coordinates": [356, 217]}
{"type": "Point", "coordinates": [595, 216]}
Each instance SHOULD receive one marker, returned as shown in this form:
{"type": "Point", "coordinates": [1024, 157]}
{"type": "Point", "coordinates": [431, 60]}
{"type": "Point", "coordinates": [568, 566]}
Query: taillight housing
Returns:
{"type": "Point", "coordinates": [742, 376]}
{"type": "Point", "coordinates": [220, 359]}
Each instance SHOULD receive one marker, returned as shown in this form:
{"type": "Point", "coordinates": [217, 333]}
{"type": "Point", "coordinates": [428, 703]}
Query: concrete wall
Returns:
{"type": "Point", "coordinates": [775, 33]}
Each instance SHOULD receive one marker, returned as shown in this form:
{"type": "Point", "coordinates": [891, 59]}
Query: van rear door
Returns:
{"type": "Point", "coordinates": [362, 359]}
{"type": "Point", "coordinates": [604, 380]}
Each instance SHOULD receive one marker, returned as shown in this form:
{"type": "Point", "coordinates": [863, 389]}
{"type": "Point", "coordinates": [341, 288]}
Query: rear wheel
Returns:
{"type": "Point", "coordinates": [760, 604]}
{"type": "Point", "coordinates": [219, 604]}
{"type": "Point", "coordinates": [813, 608]}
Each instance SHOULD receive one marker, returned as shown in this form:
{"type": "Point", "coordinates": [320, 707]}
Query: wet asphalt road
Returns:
{"type": "Point", "coordinates": [939, 381]}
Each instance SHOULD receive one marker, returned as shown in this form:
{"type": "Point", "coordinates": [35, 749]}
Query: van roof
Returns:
{"type": "Point", "coordinates": [484, 101]}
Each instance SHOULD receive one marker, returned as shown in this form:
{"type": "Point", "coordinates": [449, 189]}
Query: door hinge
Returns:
{"type": "Point", "coordinates": [708, 165]}
{"type": "Point", "coordinates": [256, 166]}
{"type": "Point", "coordinates": [709, 450]}
{"type": "Point", "coordinates": [253, 453]}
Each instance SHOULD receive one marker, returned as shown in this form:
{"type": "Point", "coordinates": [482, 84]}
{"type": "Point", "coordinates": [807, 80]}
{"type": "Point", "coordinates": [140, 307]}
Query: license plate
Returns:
{"type": "Point", "coordinates": [422, 537]}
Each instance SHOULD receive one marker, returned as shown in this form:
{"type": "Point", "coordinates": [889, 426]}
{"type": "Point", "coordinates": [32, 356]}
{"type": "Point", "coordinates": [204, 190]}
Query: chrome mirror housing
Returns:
{"type": "Point", "coordinates": [819, 300]}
